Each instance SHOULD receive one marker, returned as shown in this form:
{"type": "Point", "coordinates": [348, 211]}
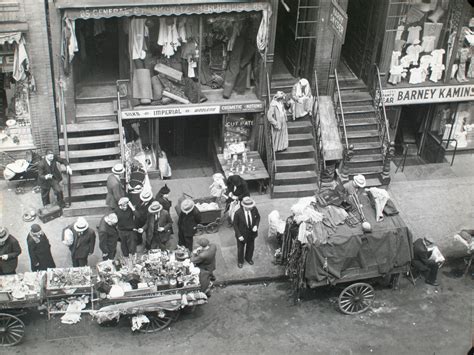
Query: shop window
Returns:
{"type": "Point", "coordinates": [424, 43]}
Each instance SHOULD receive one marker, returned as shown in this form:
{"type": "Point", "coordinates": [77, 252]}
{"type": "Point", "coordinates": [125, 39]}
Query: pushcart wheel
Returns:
{"type": "Point", "coordinates": [12, 330]}
{"type": "Point", "coordinates": [212, 228]}
{"type": "Point", "coordinates": [158, 321]}
{"type": "Point", "coordinates": [356, 298]}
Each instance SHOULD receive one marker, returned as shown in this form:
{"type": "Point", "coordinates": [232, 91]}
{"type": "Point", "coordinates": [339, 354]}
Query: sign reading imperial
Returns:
{"type": "Point", "coordinates": [423, 95]}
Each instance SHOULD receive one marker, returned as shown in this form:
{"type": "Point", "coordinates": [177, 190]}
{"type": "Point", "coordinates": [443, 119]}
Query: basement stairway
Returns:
{"type": "Point", "coordinates": [94, 148]}
{"type": "Point", "coordinates": [362, 131]}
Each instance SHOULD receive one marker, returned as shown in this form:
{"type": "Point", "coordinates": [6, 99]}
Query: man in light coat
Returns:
{"type": "Point", "coordinates": [81, 241]}
{"type": "Point", "coordinates": [115, 190]}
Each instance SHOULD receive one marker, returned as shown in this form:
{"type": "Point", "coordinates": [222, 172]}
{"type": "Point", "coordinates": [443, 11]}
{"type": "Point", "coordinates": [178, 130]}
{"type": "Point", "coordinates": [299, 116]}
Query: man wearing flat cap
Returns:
{"type": "Point", "coordinates": [188, 220]}
{"type": "Point", "coordinates": [246, 222]}
{"type": "Point", "coordinates": [204, 257]}
{"type": "Point", "coordinates": [108, 236]}
{"type": "Point", "coordinates": [115, 189]}
{"type": "Point", "coordinates": [39, 249]}
{"type": "Point", "coordinates": [49, 177]}
{"type": "Point", "coordinates": [9, 251]}
{"type": "Point", "coordinates": [158, 228]}
{"type": "Point", "coordinates": [82, 242]}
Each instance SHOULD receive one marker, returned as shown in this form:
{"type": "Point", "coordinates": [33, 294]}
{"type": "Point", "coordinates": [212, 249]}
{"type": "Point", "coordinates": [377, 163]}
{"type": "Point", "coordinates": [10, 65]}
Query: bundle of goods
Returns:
{"type": "Point", "coordinates": [68, 278]}
{"type": "Point", "coordinates": [27, 286]}
{"type": "Point", "coordinates": [155, 271]}
{"type": "Point", "coordinates": [203, 207]}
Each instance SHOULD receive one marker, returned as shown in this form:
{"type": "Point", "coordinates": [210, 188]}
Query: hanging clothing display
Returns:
{"type": "Point", "coordinates": [428, 43]}
{"type": "Point", "coordinates": [413, 52]}
{"type": "Point", "coordinates": [262, 35]}
{"type": "Point", "coordinates": [21, 62]}
{"type": "Point", "coordinates": [137, 33]}
{"type": "Point", "coordinates": [168, 36]}
{"type": "Point", "coordinates": [414, 35]}
{"type": "Point", "coordinates": [416, 75]}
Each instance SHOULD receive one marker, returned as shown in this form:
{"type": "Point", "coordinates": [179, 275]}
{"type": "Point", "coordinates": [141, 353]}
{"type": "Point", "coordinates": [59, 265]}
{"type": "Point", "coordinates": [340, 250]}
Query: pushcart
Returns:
{"type": "Point", "coordinates": [211, 220]}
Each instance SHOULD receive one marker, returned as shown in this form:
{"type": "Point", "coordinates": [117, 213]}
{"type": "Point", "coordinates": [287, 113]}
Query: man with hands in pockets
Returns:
{"type": "Point", "coordinates": [246, 222]}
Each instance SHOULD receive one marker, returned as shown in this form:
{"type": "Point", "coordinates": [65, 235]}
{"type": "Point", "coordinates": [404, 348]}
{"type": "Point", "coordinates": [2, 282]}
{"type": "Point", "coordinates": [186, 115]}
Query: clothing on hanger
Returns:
{"type": "Point", "coordinates": [414, 34]}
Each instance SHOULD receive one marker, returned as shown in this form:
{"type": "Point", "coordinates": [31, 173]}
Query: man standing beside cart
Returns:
{"type": "Point", "coordinates": [158, 227]}
{"type": "Point", "coordinates": [126, 225]}
{"type": "Point", "coordinates": [108, 236]}
{"type": "Point", "coordinates": [9, 251]}
{"type": "Point", "coordinates": [246, 222]}
{"type": "Point", "coordinates": [81, 241]}
{"type": "Point", "coordinates": [188, 220]}
{"type": "Point", "coordinates": [39, 249]}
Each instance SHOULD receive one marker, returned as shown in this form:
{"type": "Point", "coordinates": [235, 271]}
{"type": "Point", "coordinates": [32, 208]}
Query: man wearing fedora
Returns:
{"type": "Point", "coordinates": [9, 251]}
{"type": "Point", "coordinates": [188, 220]}
{"type": "Point", "coordinates": [39, 249]}
{"type": "Point", "coordinates": [81, 241]}
{"type": "Point", "coordinates": [49, 177]}
{"type": "Point", "coordinates": [115, 189]}
{"type": "Point", "coordinates": [246, 222]}
{"type": "Point", "coordinates": [127, 227]}
{"type": "Point", "coordinates": [204, 257]}
{"type": "Point", "coordinates": [146, 198]}
{"type": "Point", "coordinates": [158, 228]}
{"type": "Point", "coordinates": [108, 236]}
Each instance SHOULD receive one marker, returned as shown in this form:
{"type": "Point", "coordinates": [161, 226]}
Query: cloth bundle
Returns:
{"type": "Point", "coordinates": [380, 197]}
{"type": "Point", "coordinates": [202, 207]}
{"type": "Point", "coordinates": [275, 224]}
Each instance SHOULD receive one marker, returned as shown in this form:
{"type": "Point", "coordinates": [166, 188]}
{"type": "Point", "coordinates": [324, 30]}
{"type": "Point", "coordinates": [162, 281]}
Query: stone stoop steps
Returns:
{"type": "Point", "coordinates": [94, 148]}
{"type": "Point", "coordinates": [362, 131]}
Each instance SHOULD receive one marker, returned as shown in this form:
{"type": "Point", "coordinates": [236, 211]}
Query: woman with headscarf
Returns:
{"type": "Point", "coordinates": [39, 249]}
{"type": "Point", "coordinates": [276, 115]}
{"type": "Point", "coordinates": [302, 99]}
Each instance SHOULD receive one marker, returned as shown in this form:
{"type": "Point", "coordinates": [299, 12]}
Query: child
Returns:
{"type": "Point", "coordinates": [218, 187]}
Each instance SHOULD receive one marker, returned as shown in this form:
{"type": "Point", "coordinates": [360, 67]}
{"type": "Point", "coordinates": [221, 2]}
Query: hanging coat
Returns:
{"type": "Point", "coordinates": [277, 117]}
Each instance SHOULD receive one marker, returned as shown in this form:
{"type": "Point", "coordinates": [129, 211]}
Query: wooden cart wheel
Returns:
{"type": "Point", "coordinates": [356, 298]}
{"type": "Point", "coordinates": [158, 323]}
{"type": "Point", "coordinates": [212, 228]}
{"type": "Point", "coordinates": [12, 330]}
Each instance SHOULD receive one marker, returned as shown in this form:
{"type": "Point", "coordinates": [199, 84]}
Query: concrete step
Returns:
{"type": "Point", "coordinates": [363, 136]}
{"type": "Point", "coordinates": [88, 153]}
{"type": "Point", "coordinates": [105, 125]}
{"type": "Point", "coordinates": [373, 182]}
{"type": "Point", "coordinates": [93, 165]}
{"type": "Point", "coordinates": [86, 208]}
{"type": "Point", "coordinates": [89, 178]}
{"type": "Point", "coordinates": [301, 190]}
{"type": "Point", "coordinates": [300, 139]}
{"type": "Point", "coordinates": [293, 165]}
{"type": "Point", "coordinates": [94, 111]}
{"type": "Point", "coordinates": [365, 160]}
{"type": "Point", "coordinates": [296, 177]}
{"type": "Point", "coordinates": [91, 139]}
{"type": "Point", "coordinates": [298, 152]}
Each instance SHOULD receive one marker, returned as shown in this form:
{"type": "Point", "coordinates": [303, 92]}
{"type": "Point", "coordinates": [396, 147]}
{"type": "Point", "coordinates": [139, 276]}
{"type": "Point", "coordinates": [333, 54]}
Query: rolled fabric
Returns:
{"type": "Point", "coordinates": [142, 84]}
{"type": "Point", "coordinates": [157, 88]}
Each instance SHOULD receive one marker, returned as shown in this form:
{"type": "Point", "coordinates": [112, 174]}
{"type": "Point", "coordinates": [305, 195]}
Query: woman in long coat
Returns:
{"type": "Point", "coordinates": [277, 117]}
{"type": "Point", "coordinates": [39, 249]}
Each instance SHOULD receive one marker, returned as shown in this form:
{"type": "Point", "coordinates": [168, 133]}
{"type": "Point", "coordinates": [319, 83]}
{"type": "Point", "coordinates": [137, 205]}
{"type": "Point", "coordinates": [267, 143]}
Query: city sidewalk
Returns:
{"type": "Point", "coordinates": [434, 200]}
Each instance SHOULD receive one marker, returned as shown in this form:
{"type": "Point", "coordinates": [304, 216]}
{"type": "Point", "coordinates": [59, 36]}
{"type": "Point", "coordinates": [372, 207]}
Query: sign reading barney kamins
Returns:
{"type": "Point", "coordinates": [425, 95]}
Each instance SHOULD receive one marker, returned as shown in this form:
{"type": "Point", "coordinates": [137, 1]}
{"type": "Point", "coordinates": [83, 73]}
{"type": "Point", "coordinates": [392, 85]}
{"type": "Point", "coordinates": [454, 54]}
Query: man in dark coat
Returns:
{"type": "Point", "coordinates": [81, 241]}
{"type": "Point", "coordinates": [188, 220]}
{"type": "Point", "coordinates": [145, 200]}
{"type": "Point", "coordinates": [162, 198]}
{"type": "Point", "coordinates": [39, 249]}
{"type": "Point", "coordinates": [49, 177]}
{"type": "Point", "coordinates": [115, 190]}
{"type": "Point", "coordinates": [108, 236]}
{"type": "Point", "coordinates": [9, 251]}
{"type": "Point", "coordinates": [158, 227]}
{"type": "Point", "coordinates": [422, 263]}
{"type": "Point", "coordinates": [237, 188]}
{"type": "Point", "coordinates": [204, 257]}
{"type": "Point", "coordinates": [126, 225]}
{"type": "Point", "coordinates": [246, 222]}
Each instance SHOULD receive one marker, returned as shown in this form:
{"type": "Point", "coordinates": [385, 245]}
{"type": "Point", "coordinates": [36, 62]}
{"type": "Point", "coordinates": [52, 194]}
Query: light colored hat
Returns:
{"type": "Point", "coordinates": [279, 95]}
{"type": "Point", "coordinates": [3, 234]}
{"type": "Point", "coordinates": [247, 202]}
{"type": "Point", "coordinates": [359, 180]}
{"type": "Point", "coordinates": [203, 242]}
{"type": "Point", "coordinates": [155, 207]}
{"type": "Point", "coordinates": [123, 201]}
{"type": "Point", "coordinates": [81, 225]}
{"type": "Point", "coordinates": [366, 227]}
{"type": "Point", "coordinates": [118, 169]}
{"type": "Point", "coordinates": [304, 82]}
{"type": "Point", "coordinates": [111, 218]}
{"type": "Point", "coordinates": [146, 196]}
{"type": "Point", "coordinates": [187, 205]}
{"type": "Point", "coordinates": [217, 176]}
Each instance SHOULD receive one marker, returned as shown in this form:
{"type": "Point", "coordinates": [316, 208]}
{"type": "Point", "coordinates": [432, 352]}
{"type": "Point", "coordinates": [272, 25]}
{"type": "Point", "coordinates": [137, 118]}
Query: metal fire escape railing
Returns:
{"type": "Point", "coordinates": [316, 124]}
{"type": "Point", "coordinates": [271, 155]}
{"type": "Point", "coordinates": [340, 115]}
{"type": "Point", "coordinates": [380, 112]}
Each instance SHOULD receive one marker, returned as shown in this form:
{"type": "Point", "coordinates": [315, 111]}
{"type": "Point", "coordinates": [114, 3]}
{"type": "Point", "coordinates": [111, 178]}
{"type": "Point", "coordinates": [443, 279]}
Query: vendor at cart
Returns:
{"type": "Point", "coordinates": [204, 257]}
{"type": "Point", "coordinates": [9, 251]}
{"type": "Point", "coordinates": [158, 227]}
{"type": "Point", "coordinates": [81, 241]}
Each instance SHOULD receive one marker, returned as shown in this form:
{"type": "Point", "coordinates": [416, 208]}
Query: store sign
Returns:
{"type": "Point", "coordinates": [338, 20]}
{"type": "Point", "coordinates": [172, 111]}
{"type": "Point", "coordinates": [424, 95]}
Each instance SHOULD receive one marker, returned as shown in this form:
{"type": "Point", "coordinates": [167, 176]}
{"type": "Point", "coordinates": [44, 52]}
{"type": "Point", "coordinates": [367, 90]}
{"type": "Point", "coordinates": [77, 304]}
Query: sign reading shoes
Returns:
{"type": "Point", "coordinates": [424, 95]}
{"type": "Point", "coordinates": [171, 111]}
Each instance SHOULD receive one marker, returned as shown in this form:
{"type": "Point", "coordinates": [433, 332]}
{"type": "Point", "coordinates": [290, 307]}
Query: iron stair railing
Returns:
{"type": "Point", "coordinates": [316, 124]}
{"type": "Point", "coordinates": [271, 155]}
{"type": "Point", "coordinates": [62, 115]}
{"type": "Point", "coordinates": [340, 114]}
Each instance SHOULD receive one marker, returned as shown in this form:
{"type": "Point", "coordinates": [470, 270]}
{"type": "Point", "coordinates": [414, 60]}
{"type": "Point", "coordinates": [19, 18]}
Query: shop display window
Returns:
{"type": "Point", "coordinates": [454, 121]}
{"type": "Point", "coordinates": [238, 133]}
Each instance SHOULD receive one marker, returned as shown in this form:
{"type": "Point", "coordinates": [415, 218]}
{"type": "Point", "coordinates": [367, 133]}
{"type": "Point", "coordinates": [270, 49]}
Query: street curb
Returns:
{"type": "Point", "coordinates": [253, 280]}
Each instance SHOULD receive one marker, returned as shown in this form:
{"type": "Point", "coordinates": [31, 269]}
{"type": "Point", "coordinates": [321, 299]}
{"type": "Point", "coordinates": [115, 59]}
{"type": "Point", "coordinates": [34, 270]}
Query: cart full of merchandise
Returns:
{"type": "Point", "coordinates": [325, 244]}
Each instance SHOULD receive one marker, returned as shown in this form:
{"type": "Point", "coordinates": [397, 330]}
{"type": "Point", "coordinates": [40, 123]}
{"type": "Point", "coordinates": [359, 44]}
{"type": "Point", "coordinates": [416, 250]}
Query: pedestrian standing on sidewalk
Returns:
{"type": "Point", "coordinates": [81, 241]}
{"type": "Point", "coordinates": [115, 189]}
{"type": "Point", "coordinates": [146, 198]}
{"type": "Point", "coordinates": [9, 251]}
{"type": "Point", "coordinates": [39, 249]}
{"type": "Point", "coordinates": [49, 177]}
{"type": "Point", "coordinates": [246, 222]}
{"type": "Point", "coordinates": [204, 257]}
{"type": "Point", "coordinates": [158, 228]}
{"type": "Point", "coordinates": [188, 220]}
{"type": "Point", "coordinates": [126, 225]}
{"type": "Point", "coordinates": [108, 236]}
{"type": "Point", "coordinates": [162, 198]}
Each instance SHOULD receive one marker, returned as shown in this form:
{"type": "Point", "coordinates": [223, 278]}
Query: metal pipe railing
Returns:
{"type": "Point", "coordinates": [449, 140]}
{"type": "Point", "coordinates": [341, 108]}
{"type": "Point", "coordinates": [384, 113]}
{"type": "Point", "coordinates": [62, 114]}
{"type": "Point", "coordinates": [316, 124]}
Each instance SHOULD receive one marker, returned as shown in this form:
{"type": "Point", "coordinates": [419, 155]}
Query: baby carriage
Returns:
{"type": "Point", "coordinates": [22, 169]}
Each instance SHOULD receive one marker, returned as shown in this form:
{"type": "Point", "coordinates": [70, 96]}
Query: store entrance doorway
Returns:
{"type": "Point", "coordinates": [189, 144]}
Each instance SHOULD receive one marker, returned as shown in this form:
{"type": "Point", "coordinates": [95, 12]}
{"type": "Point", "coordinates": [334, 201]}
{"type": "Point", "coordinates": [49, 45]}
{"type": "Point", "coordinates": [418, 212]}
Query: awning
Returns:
{"type": "Point", "coordinates": [96, 11]}
{"type": "Point", "coordinates": [10, 37]}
